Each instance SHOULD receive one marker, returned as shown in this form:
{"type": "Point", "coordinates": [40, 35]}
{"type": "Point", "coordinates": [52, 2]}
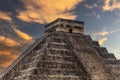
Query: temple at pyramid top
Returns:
{"type": "Point", "coordinates": [65, 25]}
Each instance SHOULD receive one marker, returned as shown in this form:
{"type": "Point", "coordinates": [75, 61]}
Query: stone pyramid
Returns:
{"type": "Point", "coordinates": [64, 53]}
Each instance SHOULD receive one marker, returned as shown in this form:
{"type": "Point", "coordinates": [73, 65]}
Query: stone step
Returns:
{"type": "Point", "coordinates": [49, 66]}
{"type": "Point", "coordinates": [102, 50]}
{"type": "Point", "coordinates": [55, 77]}
{"type": "Point", "coordinates": [59, 46]}
{"type": "Point", "coordinates": [60, 71]}
{"type": "Point", "coordinates": [59, 52]}
{"type": "Point", "coordinates": [63, 58]}
{"type": "Point", "coordinates": [113, 62]}
{"type": "Point", "coordinates": [51, 57]}
{"type": "Point", "coordinates": [62, 43]}
{"type": "Point", "coordinates": [48, 77]}
{"type": "Point", "coordinates": [57, 40]}
{"type": "Point", "coordinates": [32, 64]}
{"type": "Point", "coordinates": [58, 49]}
{"type": "Point", "coordinates": [53, 61]}
{"type": "Point", "coordinates": [64, 54]}
{"type": "Point", "coordinates": [57, 65]}
{"type": "Point", "coordinates": [109, 56]}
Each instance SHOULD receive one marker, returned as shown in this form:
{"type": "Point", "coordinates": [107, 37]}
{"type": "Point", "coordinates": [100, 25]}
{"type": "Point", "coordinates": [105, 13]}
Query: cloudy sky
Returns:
{"type": "Point", "coordinates": [22, 21]}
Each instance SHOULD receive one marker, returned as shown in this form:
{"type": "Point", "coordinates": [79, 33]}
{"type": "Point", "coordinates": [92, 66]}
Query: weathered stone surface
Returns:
{"type": "Point", "coordinates": [64, 53]}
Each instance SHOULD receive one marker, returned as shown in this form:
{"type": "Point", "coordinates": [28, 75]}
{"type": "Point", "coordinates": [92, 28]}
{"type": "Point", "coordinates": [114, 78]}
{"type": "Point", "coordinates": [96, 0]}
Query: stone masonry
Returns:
{"type": "Point", "coordinates": [64, 53]}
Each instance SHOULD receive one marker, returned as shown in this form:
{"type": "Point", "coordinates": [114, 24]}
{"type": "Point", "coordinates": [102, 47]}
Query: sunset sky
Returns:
{"type": "Point", "coordinates": [22, 21]}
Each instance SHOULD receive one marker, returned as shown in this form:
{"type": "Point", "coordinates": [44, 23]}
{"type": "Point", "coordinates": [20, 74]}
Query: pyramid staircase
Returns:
{"type": "Point", "coordinates": [52, 61]}
{"type": "Point", "coordinates": [64, 55]}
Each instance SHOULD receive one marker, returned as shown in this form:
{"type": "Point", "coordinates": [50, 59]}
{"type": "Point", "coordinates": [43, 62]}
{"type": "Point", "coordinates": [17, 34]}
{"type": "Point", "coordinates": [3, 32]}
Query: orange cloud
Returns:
{"type": "Point", "coordinates": [43, 11]}
{"type": "Point", "coordinates": [8, 42]}
{"type": "Point", "coordinates": [110, 5]}
{"type": "Point", "coordinates": [23, 35]}
{"type": "Point", "coordinates": [103, 33]}
{"type": "Point", "coordinates": [9, 57]}
{"type": "Point", "coordinates": [101, 41]}
{"type": "Point", "coordinates": [5, 53]}
{"type": "Point", "coordinates": [6, 63]}
{"type": "Point", "coordinates": [5, 16]}
{"type": "Point", "coordinates": [9, 54]}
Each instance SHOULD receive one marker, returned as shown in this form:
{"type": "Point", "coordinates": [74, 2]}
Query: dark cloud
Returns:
{"type": "Point", "coordinates": [11, 6]}
{"type": "Point", "coordinates": [32, 28]}
{"type": "Point", "coordinates": [6, 57]}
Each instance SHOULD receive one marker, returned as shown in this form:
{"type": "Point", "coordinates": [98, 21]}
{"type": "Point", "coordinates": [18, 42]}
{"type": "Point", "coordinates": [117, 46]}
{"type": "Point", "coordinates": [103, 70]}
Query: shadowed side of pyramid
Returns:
{"type": "Point", "coordinates": [64, 53]}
